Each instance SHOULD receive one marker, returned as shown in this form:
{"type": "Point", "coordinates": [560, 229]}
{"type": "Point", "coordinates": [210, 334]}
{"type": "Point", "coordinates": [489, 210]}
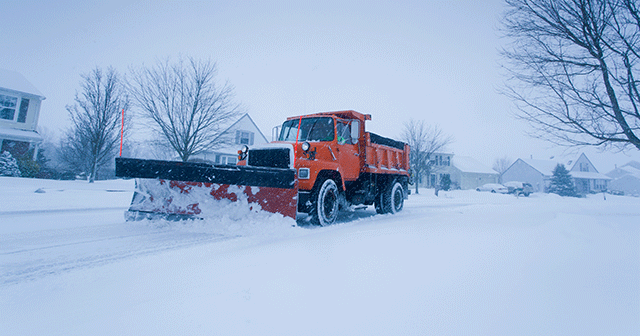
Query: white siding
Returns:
{"type": "Point", "coordinates": [523, 172]}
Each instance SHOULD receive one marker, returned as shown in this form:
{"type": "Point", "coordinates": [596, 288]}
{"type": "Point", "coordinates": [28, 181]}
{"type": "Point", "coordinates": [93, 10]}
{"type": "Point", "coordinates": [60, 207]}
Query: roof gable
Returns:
{"type": "Point", "coordinates": [582, 159]}
{"type": "Point", "coordinates": [234, 125]}
{"type": "Point", "coordinates": [14, 81]}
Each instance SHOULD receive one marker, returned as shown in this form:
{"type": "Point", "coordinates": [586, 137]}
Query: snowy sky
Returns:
{"type": "Point", "coordinates": [434, 60]}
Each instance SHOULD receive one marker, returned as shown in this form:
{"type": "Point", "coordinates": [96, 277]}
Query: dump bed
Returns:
{"type": "Point", "coordinates": [385, 155]}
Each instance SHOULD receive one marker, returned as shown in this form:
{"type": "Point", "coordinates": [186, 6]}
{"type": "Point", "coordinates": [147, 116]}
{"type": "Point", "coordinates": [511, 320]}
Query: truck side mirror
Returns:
{"type": "Point", "coordinates": [355, 131]}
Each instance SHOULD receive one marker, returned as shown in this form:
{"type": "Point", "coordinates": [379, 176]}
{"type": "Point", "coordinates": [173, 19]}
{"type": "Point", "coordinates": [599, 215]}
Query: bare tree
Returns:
{"type": "Point", "coordinates": [573, 66]}
{"type": "Point", "coordinates": [501, 165]}
{"type": "Point", "coordinates": [424, 141]}
{"type": "Point", "coordinates": [187, 106]}
{"type": "Point", "coordinates": [94, 137]}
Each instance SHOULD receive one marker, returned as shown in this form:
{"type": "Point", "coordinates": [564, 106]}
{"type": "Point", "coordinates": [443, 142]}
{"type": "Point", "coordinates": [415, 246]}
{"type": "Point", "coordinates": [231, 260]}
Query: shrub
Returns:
{"type": "Point", "coordinates": [9, 165]}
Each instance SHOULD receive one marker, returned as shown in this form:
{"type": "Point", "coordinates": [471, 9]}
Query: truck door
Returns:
{"type": "Point", "coordinates": [348, 152]}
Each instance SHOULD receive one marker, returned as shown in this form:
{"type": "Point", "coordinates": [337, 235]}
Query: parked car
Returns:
{"type": "Point", "coordinates": [494, 188]}
{"type": "Point", "coordinates": [519, 188]}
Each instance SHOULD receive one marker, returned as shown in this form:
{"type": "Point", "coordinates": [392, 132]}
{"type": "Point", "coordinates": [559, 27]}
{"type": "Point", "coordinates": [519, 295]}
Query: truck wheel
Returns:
{"type": "Point", "coordinates": [391, 199]}
{"type": "Point", "coordinates": [378, 203]}
{"type": "Point", "coordinates": [395, 198]}
{"type": "Point", "coordinates": [325, 205]}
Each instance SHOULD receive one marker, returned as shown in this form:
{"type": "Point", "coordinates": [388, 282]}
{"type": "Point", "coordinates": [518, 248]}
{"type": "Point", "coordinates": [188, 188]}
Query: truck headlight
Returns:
{"type": "Point", "coordinates": [242, 153]}
{"type": "Point", "coordinates": [305, 146]}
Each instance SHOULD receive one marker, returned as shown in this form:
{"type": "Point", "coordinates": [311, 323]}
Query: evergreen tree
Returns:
{"type": "Point", "coordinates": [445, 182]}
{"type": "Point", "coordinates": [9, 165]}
{"type": "Point", "coordinates": [562, 182]}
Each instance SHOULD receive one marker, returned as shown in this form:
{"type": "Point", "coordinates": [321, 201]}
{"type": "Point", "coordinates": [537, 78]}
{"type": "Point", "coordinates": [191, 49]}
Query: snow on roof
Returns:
{"type": "Point", "coordinates": [14, 81]}
{"type": "Point", "coordinates": [632, 164]}
{"type": "Point", "coordinates": [589, 175]}
{"type": "Point", "coordinates": [469, 165]}
{"type": "Point", "coordinates": [626, 170]}
{"type": "Point", "coordinates": [20, 135]}
{"type": "Point", "coordinates": [546, 167]}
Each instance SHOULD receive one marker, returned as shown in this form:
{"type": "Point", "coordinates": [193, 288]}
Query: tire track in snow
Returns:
{"type": "Point", "coordinates": [52, 252]}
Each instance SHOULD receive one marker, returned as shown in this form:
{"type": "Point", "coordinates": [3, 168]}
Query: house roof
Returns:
{"type": "Point", "coordinates": [14, 81]}
{"type": "Point", "coordinates": [20, 135]}
{"type": "Point", "coordinates": [633, 164]}
{"type": "Point", "coordinates": [469, 165]}
{"type": "Point", "coordinates": [545, 167]}
{"type": "Point", "coordinates": [589, 175]}
{"type": "Point", "coordinates": [627, 170]}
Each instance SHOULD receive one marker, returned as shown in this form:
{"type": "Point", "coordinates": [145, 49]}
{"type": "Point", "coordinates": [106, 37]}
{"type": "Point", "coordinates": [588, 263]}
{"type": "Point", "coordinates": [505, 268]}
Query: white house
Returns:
{"type": "Point", "coordinates": [626, 178]}
{"type": "Point", "coordinates": [19, 111]}
{"type": "Point", "coordinates": [464, 172]}
{"type": "Point", "coordinates": [243, 131]}
{"type": "Point", "coordinates": [468, 173]}
{"type": "Point", "coordinates": [539, 172]}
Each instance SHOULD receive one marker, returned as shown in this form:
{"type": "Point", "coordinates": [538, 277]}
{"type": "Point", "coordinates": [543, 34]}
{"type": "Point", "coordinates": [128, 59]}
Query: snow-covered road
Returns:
{"type": "Point", "coordinates": [36, 254]}
{"type": "Point", "coordinates": [43, 236]}
{"type": "Point", "coordinates": [464, 263]}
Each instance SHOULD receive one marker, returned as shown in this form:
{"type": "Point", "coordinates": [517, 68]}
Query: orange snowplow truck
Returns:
{"type": "Point", "coordinates": [320, 163]}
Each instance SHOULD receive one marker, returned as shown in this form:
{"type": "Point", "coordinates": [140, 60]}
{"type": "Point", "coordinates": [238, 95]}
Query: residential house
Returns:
{"type": "Point", "coordinates": [19, 111]}
{"type": "Point", "coordinates": [626, 179]}
{"type": "Point", "coordinates": [468, 173]}
{"type": "Point", "coordinates": [586, 177]}
{"type": "Point", "coordinates": [464, 172]}
{"type": "Point", "coordinates": [243, 131]}
{"type": "Point", "coordinates": [440, 166]}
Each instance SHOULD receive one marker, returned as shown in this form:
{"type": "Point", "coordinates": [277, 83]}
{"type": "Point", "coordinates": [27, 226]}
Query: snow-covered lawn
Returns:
{"type": "Point", "coordinates": [464, 263]}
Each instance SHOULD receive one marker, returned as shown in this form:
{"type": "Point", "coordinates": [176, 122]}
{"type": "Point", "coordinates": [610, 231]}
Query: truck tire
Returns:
{"type": "Point", "coordinates": [379, 203]}
{"type": "Point", "coordinates": [391, 199]}
{"type": "Point", "coordinates": [325, 204]}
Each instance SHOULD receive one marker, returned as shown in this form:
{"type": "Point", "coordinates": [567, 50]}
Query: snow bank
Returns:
{"type": "Point", "coordinates": [27, 195]}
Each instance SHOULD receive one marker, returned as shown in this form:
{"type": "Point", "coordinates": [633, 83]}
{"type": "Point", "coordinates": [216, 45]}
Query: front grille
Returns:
{"type": "Point", "coordinates": [272, 157]}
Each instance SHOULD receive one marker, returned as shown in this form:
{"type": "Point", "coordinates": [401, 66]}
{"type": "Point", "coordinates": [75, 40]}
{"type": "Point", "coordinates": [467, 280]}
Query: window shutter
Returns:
{"type": "Point", "coordinates": [251, 138]}
{"type": "Point", "coordinates": [24, 108]}
{"type": "Point", "coordinates": [238, 135]}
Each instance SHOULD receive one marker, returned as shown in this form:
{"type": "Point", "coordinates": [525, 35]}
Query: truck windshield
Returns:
{"type": "Point", "coordinates": [311, 129]}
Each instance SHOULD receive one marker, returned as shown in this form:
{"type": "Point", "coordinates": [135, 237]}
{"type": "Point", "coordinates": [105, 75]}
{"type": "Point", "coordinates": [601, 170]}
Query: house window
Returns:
{"type": "Point", "coordinates": [24, 108]}
{"type": "Point", "coordinates": [244, 138]}
{"type": "Point", "coordinates": [8, 107]}
{"type": "Point", "coordinates": [584, 167]}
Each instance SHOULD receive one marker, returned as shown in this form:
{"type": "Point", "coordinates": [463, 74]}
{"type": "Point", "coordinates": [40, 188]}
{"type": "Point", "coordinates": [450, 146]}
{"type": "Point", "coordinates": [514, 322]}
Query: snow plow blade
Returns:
{"type": "Point", "coordinates": [179, 190]}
